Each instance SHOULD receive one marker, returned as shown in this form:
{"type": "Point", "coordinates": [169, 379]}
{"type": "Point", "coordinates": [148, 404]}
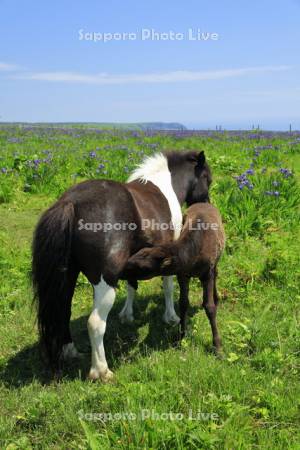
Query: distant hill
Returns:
{"type": "Point", "coordinates": [161, 126]}
{"type": "Point", "coordinates": [143, 126]}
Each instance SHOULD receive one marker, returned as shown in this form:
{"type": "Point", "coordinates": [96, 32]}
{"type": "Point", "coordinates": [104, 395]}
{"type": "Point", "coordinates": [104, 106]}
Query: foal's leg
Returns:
{"type": "Point", "coordinates": [126, 315]}
{"type": "Point", "coordinates": [184, 283]}
{"type": "Point", "coordinates": [170, 315]}
{"type": "Point", "coordinates": [104, 297]}
{"type": "Point", "coordinates": [216, 295]}
{"type": "Point", "coordinates": [211, 308]}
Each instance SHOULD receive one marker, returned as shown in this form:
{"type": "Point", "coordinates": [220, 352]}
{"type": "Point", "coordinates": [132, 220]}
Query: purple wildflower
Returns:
{"type": "Point", "coordinates": [14, 140]}
{"type": "Point", "coordinates": [272, 193]}
{"type": "Point", "coordinates": [285, 172]}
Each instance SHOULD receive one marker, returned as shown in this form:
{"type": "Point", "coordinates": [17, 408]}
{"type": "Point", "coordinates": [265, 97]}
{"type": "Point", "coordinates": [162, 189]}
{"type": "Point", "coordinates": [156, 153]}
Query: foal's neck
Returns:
{"type": "Point", "coordinates": [187, 247]}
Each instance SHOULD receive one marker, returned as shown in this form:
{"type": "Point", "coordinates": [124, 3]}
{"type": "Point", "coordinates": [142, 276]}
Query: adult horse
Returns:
{"type": "Point", "coordinates": [94, 228]}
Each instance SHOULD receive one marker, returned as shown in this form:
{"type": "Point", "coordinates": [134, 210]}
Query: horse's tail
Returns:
{"type": "Point", "coordinates": [53, 277]}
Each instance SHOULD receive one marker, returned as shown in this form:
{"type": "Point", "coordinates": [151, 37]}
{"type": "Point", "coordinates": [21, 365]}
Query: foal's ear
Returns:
{"type": "Point", "coordinates": [166, 262]}
{"type": "Point", "coordinates": [201, 159]}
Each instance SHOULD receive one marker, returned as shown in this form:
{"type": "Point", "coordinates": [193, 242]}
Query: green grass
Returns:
{"type": "Point", "coordinates": [253, 392]}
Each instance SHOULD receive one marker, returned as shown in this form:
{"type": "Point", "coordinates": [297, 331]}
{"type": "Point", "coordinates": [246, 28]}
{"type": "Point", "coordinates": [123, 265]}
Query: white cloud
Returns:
{"type": "Point", "coordinates": [8, 67]}
{"type": "Point", "coordinates": [164, 77]}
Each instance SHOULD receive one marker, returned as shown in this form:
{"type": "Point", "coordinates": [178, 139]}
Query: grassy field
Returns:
{"type": "Point", "coordinates": [163, 397]}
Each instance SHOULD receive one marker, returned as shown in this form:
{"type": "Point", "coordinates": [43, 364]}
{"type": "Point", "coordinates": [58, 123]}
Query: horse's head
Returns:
{"type": "Point", "coordinates": [200, 180]}
{"type": "Point", "coordinates": [191, 176]}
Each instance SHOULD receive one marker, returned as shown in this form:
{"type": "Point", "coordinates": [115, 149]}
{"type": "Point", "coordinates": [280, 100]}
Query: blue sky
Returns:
{"type": "Point", "coordinates": [249, 75]}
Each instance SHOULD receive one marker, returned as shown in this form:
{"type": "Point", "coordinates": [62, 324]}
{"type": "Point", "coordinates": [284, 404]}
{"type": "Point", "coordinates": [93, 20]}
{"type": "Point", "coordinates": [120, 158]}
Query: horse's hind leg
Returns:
{"type": "Point", "coordinates": [211, 307]}
{"type": "Point", "coordinates": [69, 350]}
{"type": "Point", "coordinates": [126, 314]}
{"type": "Point", "coordinates": [104, 297]}
{"type": "Point", "coordinates": [183, 302]}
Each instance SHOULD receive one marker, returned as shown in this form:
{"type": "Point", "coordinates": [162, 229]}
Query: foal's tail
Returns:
{"type": "Point", "coordinates": [52, 277]}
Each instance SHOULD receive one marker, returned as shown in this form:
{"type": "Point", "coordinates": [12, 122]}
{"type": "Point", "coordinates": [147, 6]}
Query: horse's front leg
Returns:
{"type": "Point", "coordinates": [170, 316]}
{"type": "Point", "coordinates": [126, 315]}
{"type": "Point", "coordinates": [104, 297]}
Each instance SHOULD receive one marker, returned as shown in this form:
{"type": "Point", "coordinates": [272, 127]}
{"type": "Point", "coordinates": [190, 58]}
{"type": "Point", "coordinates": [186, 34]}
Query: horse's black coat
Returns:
{"type": "Point", "coordinates": [61, 250]}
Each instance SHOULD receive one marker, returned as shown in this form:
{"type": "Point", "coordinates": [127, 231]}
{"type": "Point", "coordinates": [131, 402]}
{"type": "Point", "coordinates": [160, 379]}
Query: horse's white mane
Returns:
{"type": "Point", "coordinates": [150, 168]}
{"type": "Point", "coordinates": [155, 169]}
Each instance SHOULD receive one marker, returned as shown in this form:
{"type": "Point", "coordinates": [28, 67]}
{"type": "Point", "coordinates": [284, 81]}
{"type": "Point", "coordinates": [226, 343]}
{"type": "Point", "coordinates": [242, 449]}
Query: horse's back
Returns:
{"type": "Point", "coordinates": [105, 228]}
{"type": "Point", "coordinates": [114, 220]}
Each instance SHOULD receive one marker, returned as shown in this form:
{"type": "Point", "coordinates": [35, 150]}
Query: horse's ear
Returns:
{"type": "Point", "coordinates": [201, 159]}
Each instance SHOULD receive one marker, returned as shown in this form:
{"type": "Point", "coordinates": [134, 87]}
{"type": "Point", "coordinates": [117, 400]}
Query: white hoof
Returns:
{"type": "Point", "coordinates": [69, 351]}
{"type": "Point", "coordinates": [105, 376]}
{"type": "Point", "coordinates": [171, 318]}
{"type": "Point", "coordinates": [126, 317]}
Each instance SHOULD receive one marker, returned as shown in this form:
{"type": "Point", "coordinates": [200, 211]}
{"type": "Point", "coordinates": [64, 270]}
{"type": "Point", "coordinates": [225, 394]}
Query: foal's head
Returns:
{"type": "Point", "coordinates": [191, 176]}
{"type": "Point", "coordinates": [152, 261]}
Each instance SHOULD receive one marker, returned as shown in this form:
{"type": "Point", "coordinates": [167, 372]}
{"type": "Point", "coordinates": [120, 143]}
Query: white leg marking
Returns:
{"type": "Point", "coordinates": [170, 315]}
{"type": "Point", "coordinates": [126, 315]}
{"type": "Point", "coordinates": [70, 351]}
{"type": "Point", "coordinates": [104, 297]}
